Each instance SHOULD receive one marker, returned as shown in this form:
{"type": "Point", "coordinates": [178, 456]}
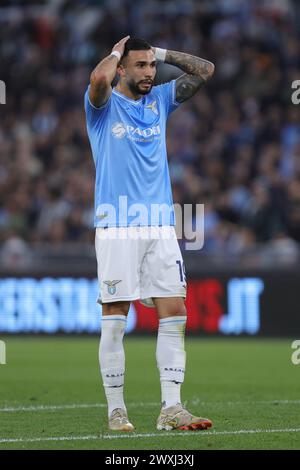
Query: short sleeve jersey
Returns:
{"type": "Point", "coordinates": [128, 142]}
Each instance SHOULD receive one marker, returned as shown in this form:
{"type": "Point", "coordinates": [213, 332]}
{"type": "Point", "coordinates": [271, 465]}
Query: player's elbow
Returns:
{"type": "Point", "coordinates": [210, 70]}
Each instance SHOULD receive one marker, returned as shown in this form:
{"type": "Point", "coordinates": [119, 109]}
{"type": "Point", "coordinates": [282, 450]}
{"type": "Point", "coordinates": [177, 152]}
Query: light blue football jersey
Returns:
{"type": "Point", "coordinates": [128, 141]}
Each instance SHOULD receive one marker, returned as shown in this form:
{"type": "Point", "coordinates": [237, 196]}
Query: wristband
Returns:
{"type": "Point", "coordinates": [160, 54]}
{"type": "Point", "coordinates": [116, 54]}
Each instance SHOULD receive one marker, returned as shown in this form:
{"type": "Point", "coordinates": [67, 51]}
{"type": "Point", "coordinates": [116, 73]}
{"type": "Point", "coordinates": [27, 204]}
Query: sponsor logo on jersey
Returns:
{"type": "Point", "coordinates": [120, 130]}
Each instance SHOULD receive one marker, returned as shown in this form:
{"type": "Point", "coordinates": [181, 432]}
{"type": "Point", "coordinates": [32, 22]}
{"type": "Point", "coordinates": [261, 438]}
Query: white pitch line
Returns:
{"type": "Point", "coordinates": [197, 401]}
{"type": "Point", "coordinates": [51, 407]}
{"type": "Point", "coordinates": [74, 406]}
{"type": "Point", "coordinates": [147, 435]}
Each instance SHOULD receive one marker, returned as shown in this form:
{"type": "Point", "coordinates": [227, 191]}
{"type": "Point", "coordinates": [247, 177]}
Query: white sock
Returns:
{"type": "Point", "coordinates": [170, 357]}
{"type": "Point", "coordinates": [112, 360]}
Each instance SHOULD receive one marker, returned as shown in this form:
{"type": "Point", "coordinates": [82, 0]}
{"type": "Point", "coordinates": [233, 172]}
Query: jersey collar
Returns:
{"type": "Point", "coordinates": [126, 97]}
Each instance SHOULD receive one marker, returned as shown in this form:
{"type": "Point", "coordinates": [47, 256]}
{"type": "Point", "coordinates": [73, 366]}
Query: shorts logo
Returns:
{"type": "Point", "coordinates": [111, 286]}
{"type": "Point", "coordinates": [118, 130]}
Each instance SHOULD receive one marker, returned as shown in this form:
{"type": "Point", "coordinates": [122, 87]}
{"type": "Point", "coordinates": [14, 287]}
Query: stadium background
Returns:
{"type": "Point", "coordinates": [235, 147]}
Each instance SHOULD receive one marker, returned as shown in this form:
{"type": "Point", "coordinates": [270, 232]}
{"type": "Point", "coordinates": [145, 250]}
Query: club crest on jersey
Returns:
{"type": "Point", "coordinates": [111, 286]}
{"type": "Point", "coordinates": [153, 107]}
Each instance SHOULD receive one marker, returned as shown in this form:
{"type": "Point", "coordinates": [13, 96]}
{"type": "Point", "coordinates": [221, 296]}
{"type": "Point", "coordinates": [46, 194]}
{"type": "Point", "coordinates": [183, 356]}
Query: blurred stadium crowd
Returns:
{"type": "Point", "coordinates": [234, 147]}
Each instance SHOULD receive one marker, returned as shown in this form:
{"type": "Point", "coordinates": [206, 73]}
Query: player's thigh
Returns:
{"type": "Point", "coordinates": [118, 266]}
{"type": "Point", "coordinates": [162, 272]}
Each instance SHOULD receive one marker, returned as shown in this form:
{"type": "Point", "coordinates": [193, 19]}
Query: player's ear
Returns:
{"type": "Point", "coordinates": [121, 70]}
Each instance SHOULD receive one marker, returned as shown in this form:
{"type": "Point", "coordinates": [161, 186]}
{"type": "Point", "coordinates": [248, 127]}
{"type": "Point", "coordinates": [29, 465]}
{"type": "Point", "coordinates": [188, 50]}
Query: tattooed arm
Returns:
{"type": "Point", "coordinates": [103, 75]}
{"type": "Point", "coordinates": [198, 71]}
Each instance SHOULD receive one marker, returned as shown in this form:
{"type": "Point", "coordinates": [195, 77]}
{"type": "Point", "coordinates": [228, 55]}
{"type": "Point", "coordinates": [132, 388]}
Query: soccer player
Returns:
{"type": "Point", "coordinates": [126, 127]}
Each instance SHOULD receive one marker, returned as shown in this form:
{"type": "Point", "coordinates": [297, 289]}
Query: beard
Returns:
{"type": "Point", "coordinates": [137, 89]}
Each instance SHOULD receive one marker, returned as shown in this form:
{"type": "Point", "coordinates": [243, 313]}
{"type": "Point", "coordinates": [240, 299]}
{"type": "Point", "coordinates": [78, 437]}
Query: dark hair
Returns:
{"type": "Point", "coordinates": [135, 44]}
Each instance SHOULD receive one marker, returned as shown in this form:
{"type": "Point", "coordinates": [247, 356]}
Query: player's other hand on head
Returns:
{"type": "Point", "coordinates": [119, 46]}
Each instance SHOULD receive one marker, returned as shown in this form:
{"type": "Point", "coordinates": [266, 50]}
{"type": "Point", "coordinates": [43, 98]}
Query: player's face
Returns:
{"type": "Point", "coordinates": [139, 71]}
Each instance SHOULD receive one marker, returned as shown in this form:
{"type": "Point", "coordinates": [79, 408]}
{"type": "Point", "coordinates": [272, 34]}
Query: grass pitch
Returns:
{"type": "Point", "coordinates": [51, 395]}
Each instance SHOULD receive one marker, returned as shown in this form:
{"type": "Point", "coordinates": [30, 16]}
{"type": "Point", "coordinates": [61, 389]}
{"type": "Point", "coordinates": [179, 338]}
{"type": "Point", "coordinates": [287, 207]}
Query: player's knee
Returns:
{"type": "Point", "coordinates": [181, 309]}
{"type": "Point", "coordinates": [116, 308]}
{"type": "Point", "coordinates": [173, 308]}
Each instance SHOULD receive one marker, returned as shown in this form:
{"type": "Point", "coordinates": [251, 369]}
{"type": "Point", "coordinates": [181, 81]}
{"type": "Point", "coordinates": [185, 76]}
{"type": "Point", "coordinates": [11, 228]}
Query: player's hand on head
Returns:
{"type": "Point", "coordinates": [119, 47]}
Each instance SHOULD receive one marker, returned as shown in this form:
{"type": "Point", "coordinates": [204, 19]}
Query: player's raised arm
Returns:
{"type": "Point", "coordinates": [198, 71]}
{"type": "Point", "coordinates": [103, 75]}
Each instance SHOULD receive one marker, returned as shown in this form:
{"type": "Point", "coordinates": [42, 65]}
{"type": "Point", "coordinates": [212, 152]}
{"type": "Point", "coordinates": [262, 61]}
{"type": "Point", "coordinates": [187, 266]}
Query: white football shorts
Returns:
{"type": "Point", "coordinates": [139, 263]}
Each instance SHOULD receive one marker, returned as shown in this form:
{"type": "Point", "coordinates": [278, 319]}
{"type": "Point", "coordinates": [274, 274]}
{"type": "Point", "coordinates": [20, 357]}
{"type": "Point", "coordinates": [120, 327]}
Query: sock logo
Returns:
{"type": "Point", "coordinates": [111, 286]}
{"type": "Point", "coordinates": [114, 375]}
{"type": "Point", "coordinates": [174, 369]}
